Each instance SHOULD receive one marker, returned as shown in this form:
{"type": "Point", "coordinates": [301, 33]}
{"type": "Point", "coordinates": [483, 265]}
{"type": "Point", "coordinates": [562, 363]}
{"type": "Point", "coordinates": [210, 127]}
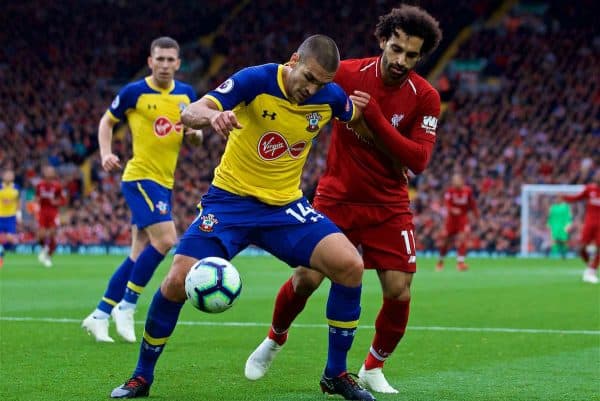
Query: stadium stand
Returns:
{"type": "Point", "coordinates": [521, 98]}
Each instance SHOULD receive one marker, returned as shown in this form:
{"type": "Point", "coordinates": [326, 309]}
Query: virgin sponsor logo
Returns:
{"type": "Point", "coordinates": [163, 127]}
{"type": "Point", "coordinates": [272, 145]}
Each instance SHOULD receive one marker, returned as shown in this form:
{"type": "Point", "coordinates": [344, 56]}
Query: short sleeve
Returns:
{"type": "Point", "coordinates": [241, 87]}
{"type": "Point", "coordinates": [342, 107]}
{"type": "Point", "coordinates": [125, 100]}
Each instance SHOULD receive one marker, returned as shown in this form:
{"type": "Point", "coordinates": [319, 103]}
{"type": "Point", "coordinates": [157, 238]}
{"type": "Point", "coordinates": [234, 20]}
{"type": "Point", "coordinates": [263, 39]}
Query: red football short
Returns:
{"type": "Point", "coordinates": [590, 233]}
{"type": "Point", "coordinates": [456, 224]}
{"type": "Point", "coordinates": [48, 219]}
{"type": "Point", "coordinates": [385, 234]}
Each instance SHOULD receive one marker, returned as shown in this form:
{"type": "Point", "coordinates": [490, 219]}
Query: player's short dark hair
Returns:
{"type": "Point", "coordinates": [164, 42]}
{"type": "Point", "coordinates": [414, 21]}
{"type": "Point", "coordinates": [323, 49]}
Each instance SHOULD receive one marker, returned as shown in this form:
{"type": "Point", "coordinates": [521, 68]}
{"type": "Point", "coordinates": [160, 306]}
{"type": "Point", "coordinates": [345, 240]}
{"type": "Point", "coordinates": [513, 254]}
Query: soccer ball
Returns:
{"type": "Point", "coordinates": [212, 285]}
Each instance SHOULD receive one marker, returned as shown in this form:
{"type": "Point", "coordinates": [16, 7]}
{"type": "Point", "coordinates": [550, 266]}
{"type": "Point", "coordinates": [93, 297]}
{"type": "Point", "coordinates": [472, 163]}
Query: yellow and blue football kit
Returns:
{"type": "Point", "coordinates": [9, 206]}
{"type": "Point", "coordinates": [154, 118]}
{"type": "Point", "coordinates": [265, 158]}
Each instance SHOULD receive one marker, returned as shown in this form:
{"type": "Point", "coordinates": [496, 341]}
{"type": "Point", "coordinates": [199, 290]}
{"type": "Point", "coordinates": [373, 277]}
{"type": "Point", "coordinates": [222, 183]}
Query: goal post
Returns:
{"type": "Point", "coordinates": [535, 201]}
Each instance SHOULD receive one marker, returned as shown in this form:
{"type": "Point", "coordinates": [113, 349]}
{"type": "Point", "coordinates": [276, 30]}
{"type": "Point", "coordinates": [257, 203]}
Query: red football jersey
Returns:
{"type": "Point", "coordinates": [357, 171]}
{"type": "Point", "coordinates": [459, 201]}
{"type": "Point", "coordinates": [591, 193]}
{"type": "Point", "coordinates": [50, 195]}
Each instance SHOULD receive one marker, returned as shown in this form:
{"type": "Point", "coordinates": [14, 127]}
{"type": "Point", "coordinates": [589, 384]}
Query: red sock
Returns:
{"type": "Point", "coordinates": [51, 246]}
{"type": "Point", "coordinates": [462, 250]}
{"type": "Point", "coordinates": [288, 305]}
{"type": "Point", "coordinates": [584, 255]}
{"type": "Point", "coordinates": [443, 250]}
{"type": "Point", "coordinates": [389, 330]}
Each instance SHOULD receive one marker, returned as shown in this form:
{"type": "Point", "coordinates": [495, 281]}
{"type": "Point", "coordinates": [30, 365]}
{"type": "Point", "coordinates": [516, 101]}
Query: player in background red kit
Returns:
{"type": "Point", "coordinates": [50, 196]}
{"type": "Point", "coordinates": [459, 202]}
{"type": "Point", "coordinates": [364, 189]}
{"type": "Point", "coordinates": [590, 234]}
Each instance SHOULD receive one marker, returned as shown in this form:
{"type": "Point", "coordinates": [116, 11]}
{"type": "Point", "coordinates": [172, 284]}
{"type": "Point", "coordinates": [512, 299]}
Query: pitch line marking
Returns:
{"type": "Point", "coordinates": [304, 325]}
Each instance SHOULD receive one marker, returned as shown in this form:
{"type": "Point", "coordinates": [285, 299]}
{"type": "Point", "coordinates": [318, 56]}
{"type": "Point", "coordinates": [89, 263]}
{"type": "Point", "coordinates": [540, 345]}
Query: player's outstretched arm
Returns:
{"type": "Point", "coordinates": [205, 112]}
{"type": "Point", "coordinates": [575, 198]}
{"type": "Point", "coordinates": [110, 161]}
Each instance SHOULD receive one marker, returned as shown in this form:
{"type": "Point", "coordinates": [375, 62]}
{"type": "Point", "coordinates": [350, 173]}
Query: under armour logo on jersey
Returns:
{"type": "Point", "coordinates": [266, 114]}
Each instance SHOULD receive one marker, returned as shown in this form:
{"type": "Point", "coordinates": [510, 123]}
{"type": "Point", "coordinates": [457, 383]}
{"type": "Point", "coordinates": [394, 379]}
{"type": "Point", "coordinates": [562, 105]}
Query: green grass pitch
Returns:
{"type": "Point", "coordinates": [508, 329]}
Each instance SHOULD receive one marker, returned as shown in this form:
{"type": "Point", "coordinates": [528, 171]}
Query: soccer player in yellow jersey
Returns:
{"type": "Point", "coordinates": [9, 213]}
{"type": "Point", "coordinates": [270, 114]}
{"type": "Point", "coordinates": [152, 107]}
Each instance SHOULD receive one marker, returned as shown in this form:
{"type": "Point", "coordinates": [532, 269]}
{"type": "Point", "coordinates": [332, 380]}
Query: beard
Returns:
{"type": "Point", "coordinates": [394, 73]}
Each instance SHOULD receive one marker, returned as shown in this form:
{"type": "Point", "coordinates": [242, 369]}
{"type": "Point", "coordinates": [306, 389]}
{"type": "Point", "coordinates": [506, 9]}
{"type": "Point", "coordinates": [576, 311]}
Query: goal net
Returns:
{"type": "Point", "coordinates": [535, 203]}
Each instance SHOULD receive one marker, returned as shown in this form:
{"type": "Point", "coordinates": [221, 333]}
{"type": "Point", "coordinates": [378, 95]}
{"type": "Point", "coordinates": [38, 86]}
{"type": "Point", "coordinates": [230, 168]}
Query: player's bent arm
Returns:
{"type": "Point", "coordinates": [206, 112]}
{"type": "Point", "coordinates": [105, 134]}
{"type": "Point", "coordinates": [109, 160]}
{"type": "Point", "coordinates": [414, 154]}
{"type": "Point", "coordinates": [199, 113]}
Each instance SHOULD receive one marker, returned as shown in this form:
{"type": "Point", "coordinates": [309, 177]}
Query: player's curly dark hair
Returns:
{"type": "Point", "coordinates": [414, 21]}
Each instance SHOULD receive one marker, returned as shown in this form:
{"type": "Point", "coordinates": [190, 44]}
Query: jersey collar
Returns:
{"type": "Point", "coordinates": [280, 82]}
{"type": "Point", "coordinates": [159, 89]}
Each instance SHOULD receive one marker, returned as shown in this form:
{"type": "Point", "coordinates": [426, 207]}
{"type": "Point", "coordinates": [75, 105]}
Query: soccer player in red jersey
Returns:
{"type": "Point", "coordinates": [590, 234]}
{"type": "Point", "coordinates": [364, 189]}
{"type": "Point", "coordinates": [50, 196]}
{"type": "Point", "coordinates": [459, 202]}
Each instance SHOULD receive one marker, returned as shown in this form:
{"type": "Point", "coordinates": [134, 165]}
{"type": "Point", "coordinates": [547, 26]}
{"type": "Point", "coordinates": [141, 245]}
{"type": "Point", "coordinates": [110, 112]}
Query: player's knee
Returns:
{"type": "Point", "coordinates": [173, 286]}
{"type": "Point", "coordinates": [164, 244]}
{"type": "Point", "coordinates": [399, 293]}
{"type": "Point", "coordinates": [306, 281]}
{"type": "Point", "coordinates": [348, 270]}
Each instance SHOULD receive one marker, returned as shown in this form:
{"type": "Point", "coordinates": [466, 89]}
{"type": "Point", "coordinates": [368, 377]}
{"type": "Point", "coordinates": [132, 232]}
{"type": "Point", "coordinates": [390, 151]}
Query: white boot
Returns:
{"type": "Point", "coordinates": [590, 276]}
{"type": "Point", "coordinates": [124, 321]}
{"type": "Point", "coordinates": [259, 361]}
{"type": "Point", "coordinates": [373, 379]}
{"type": "Point", "coordinates": [97, 328]}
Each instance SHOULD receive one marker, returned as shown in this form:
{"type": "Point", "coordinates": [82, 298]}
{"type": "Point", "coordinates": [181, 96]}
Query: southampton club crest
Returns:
{"type": "Point", "coordinates": [162, 207]}
{"type": "Point", "coordinates": [208, 222]}
{"type": "Point", "coordinates": [313, 121]}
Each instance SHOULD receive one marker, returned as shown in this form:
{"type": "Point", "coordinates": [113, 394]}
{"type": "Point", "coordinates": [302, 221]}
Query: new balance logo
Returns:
{"type": "Point", "coordinates": [429, 124]}
{"type": "Point", "coordinates": [266, 114]}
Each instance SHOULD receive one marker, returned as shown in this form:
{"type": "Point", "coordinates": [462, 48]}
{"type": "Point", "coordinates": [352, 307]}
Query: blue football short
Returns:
{"type": "Point", "coordinates": [8, 225]}
{"type": "Point", "coordinates": [150, 203]}
{"type": "Point", "coordinates": [228, 223]}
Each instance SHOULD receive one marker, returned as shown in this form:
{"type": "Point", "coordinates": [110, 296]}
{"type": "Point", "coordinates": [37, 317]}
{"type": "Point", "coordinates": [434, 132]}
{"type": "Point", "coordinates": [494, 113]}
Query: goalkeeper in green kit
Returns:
{"type": "Point", "coordinates": [559, 222]}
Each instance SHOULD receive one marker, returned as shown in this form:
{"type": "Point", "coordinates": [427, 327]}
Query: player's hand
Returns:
{"type": "Point", "coordinates": [224, 122]}
{"type": "Point", "coordinates": [360, 100]}
{"type": "Point", "coordinates": [194, 136]}
{"type": "Point", "coordinates": [110, 162]}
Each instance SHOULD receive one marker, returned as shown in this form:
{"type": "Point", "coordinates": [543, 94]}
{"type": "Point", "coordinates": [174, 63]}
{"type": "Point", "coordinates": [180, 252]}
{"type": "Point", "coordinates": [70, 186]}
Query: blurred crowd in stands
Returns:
{"type": "Point", "coordinates": [521, 98]}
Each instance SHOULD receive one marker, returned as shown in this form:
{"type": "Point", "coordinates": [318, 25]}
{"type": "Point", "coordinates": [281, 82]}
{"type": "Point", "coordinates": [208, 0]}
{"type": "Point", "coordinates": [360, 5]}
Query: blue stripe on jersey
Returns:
{"type": "Point", "coordinates": [129, 94]}
{"type": "Point", "coordinates": [248, 83]}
